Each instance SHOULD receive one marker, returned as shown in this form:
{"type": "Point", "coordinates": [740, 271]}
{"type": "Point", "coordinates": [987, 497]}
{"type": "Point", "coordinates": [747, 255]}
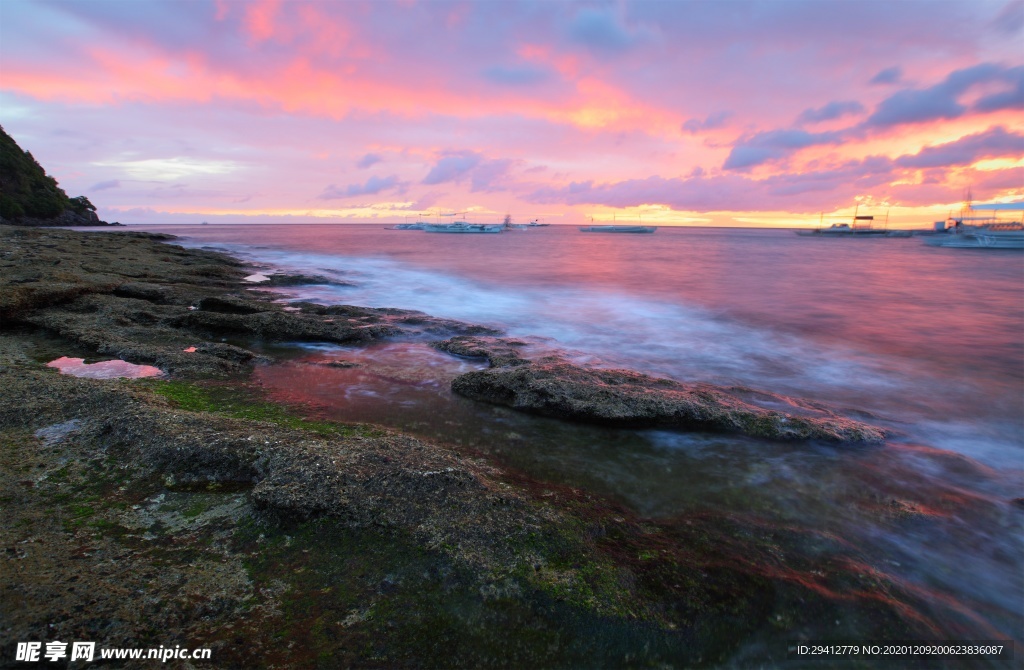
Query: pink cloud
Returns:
{"type": "Point", "coordinates": [498, 104]}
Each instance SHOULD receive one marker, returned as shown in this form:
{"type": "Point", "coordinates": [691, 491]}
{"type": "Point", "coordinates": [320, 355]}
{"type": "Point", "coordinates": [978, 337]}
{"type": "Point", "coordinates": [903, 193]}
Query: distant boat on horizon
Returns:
{"type": "Point", "coordinates": [618, 229]}
{"type": "Point", "coordinates": [463, 227]}
{"type": "Point", "coordinates": [852, 229]}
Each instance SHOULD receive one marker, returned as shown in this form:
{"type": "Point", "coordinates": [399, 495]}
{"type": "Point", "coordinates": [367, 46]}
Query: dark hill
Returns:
{"type": "Point", "coordinates": [30, 197]}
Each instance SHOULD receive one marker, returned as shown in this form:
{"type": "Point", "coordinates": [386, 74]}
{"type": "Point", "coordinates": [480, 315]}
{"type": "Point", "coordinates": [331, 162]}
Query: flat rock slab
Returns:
{"type": "Point", "coordinates": [553, 387]}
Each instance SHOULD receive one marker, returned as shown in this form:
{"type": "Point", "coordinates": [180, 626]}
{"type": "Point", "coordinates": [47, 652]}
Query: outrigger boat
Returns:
{"type": "Point", "coordinates": [989, 234]}
{"type": "Point", "coordinates": [618, 229]}
{"type": "Point", "coordinates": [853, 229]}
{"type": "Point", "coordinates": [463, 227]}
{"type": "Point", "coordinates": [970, 231]}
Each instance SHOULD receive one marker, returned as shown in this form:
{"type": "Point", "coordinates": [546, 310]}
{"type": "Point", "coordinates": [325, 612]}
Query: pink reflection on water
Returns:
{"type": "Point", "coordinates": [115, 369]}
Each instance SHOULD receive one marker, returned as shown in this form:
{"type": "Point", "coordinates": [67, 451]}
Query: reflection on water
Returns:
{"type": "Point", "coordinates": [923, 512]}
{"type": "Point", "coordinates": [926, 342]}
{"type": "Point", "coordinates": [77, 367]}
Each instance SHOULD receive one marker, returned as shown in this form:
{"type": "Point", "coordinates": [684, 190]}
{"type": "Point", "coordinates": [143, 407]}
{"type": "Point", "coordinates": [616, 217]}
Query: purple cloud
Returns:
{"type": "Point", "coordinates": [372, 186]}
{"type": "Point", "coordinates": [941, 101]}
{"type": "Point", "coordinates": [452, 167]}
{"type": "Point", "coordinates": [1009, 99]}
{"type": "Point", "coordinates": [602, 31]}
{"type": "Point", "coordinates": [992, 143]}
{"type": "Point", "coordinates": [104, 185]}
{"type": "Point", "coordinates": [774, 145]}
{"type": "Point", "coordinates": [368, 160]}
{"type": "Point", "coordinates": [890, 75]}
{"type": "Point", "coordinates": [832, 110]}
{"type": "Point", "coordinates": [1010, 20]}
{"type": "Point", "coordinates": [710, 122]}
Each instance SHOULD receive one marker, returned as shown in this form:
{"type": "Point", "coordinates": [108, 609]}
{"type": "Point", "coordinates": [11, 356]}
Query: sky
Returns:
{"type": "Point", "coordinates": [771, 112]}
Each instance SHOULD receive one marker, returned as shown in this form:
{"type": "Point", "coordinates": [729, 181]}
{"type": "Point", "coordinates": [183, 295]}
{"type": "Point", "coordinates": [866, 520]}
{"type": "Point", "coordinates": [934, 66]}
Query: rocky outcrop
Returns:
{"type": "Point", "coordinates": [128, 295]}
{"type": "Point", "coordinates": [30, 197]}
{"type": "Point", "coordinates": [551, 386]}
{"type": "Point", "coordinates": [66, 218]}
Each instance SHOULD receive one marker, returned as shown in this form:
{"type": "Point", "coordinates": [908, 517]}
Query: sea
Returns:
{"type": "Point", "coordinates": [925, 341]}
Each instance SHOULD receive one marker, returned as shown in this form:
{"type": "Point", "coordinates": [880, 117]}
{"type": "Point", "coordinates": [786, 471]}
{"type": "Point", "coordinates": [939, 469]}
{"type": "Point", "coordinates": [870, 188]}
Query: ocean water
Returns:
{"type": "Point", "coordinates": [928, 342]}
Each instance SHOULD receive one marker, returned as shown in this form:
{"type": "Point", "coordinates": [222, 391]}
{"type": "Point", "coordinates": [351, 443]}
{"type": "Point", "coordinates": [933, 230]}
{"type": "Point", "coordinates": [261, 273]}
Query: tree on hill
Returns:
{"type": "Point", "coordinates": [27, 191]}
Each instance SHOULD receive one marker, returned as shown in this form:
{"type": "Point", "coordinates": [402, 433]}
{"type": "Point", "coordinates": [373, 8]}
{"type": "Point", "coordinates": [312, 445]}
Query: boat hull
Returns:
{"type": "Point", "coordinates": [618, 229]}
{"type": "Point", "coordinates": [848, 232]}
{"type": "Point", "coordinates": [463, 228]}
{"type": "Point", "coordinates": [978, 241]}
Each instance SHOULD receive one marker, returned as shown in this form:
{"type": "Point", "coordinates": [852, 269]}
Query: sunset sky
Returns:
{"type": "Point", "coordinates": [700, 113]}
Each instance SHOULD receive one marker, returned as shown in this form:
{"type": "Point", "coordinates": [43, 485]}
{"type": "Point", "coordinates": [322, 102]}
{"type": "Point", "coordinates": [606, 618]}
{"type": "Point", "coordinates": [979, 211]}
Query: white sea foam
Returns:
{"type": "Point", "coordinates": [671, 339]}
{"type": "Point", "coordinates": [674, 339]}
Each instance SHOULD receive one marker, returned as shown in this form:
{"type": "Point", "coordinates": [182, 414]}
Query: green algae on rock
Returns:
{"type": "Point", "coordinates": [232, 521]}
{"type": "Point", "coordinates": [131, 296]}
{"type": "Point", "coordinates": [554, 387]}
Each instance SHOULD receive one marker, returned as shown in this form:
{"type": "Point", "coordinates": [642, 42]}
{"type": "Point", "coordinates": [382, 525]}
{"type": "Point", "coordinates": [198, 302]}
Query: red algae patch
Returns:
{"type": "Point", "coordinates": [115, 369]}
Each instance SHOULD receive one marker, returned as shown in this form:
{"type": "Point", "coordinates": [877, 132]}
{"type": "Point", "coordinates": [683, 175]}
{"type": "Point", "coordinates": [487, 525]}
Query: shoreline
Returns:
{"type": "Point", "coordinates": [272, 529]}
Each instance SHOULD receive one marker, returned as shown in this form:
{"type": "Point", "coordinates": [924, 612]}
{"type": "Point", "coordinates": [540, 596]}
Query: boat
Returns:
{"type": "Point", "coordinates": [971, 231]}
{"type": "Point", "coordinates": [861, 226]}
{"type": "Point", "coordinates": [537, 224]}
{"type": "Point", "coordinates": [408, 226]}
{"type": "Point", "coordinates": [463, 227]}
{"type": "Point", "coordinates": [618, 229]}
{"type": "Point", "coordinates": [980, 236]}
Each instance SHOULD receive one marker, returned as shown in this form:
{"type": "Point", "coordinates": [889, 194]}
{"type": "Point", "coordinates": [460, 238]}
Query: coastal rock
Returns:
{"type": "Point", "coordinates": [66, 218]}
{"type": "Point", "coordinates": [380, 480]}
{"type": "Point", "coordinates": [228, 304]}
{"type": "Point", "coordinates": [409, 321]}
{"type": "Point", "coordinates": [499, 352]}
{"type": "Point", "coordinates": [129, 295]}
{"type": "Point", "coordinates": [554, 387]}
{"type": "Point", "coordinates": [289, 279]}
{"type": "Point", "coordinates": [284, 326]}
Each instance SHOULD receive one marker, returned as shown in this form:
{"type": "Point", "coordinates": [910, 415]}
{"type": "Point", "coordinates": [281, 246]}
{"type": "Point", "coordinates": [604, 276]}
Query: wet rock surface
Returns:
{"type": "Point", "coordinates": [184, 511]}
{"type": "Point", "coordinates": [134, 522]}
{"type": "Point", "coordinates": [554, 387]}
{"type": "Point", "coordinates": [131, 296]}
{"type": "Point", "coordinates": [293, 279]}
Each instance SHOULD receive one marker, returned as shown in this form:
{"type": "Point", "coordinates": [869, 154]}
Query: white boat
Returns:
{"type": "Point", "coordinates": [844, 230]}
{"type": "Point", "coordinates": [463, 227]}
{"type": "Point", "coordinates": [408, 226]}
{"type": "Point", "coordinates": [990, 236]}
{"type": "Point", "coordinates": [618, 229]}
{"type": "Point", "coordinates": [973, 231]}
{"type": "Point", "coordinates": [861, 226]}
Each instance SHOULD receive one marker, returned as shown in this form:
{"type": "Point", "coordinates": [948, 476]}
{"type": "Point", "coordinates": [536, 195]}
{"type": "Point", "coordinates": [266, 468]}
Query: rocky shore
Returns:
{"type": "Point", "coordinates": [188, 510]}
{"type": "Point", "coordinates": [552, 386]}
